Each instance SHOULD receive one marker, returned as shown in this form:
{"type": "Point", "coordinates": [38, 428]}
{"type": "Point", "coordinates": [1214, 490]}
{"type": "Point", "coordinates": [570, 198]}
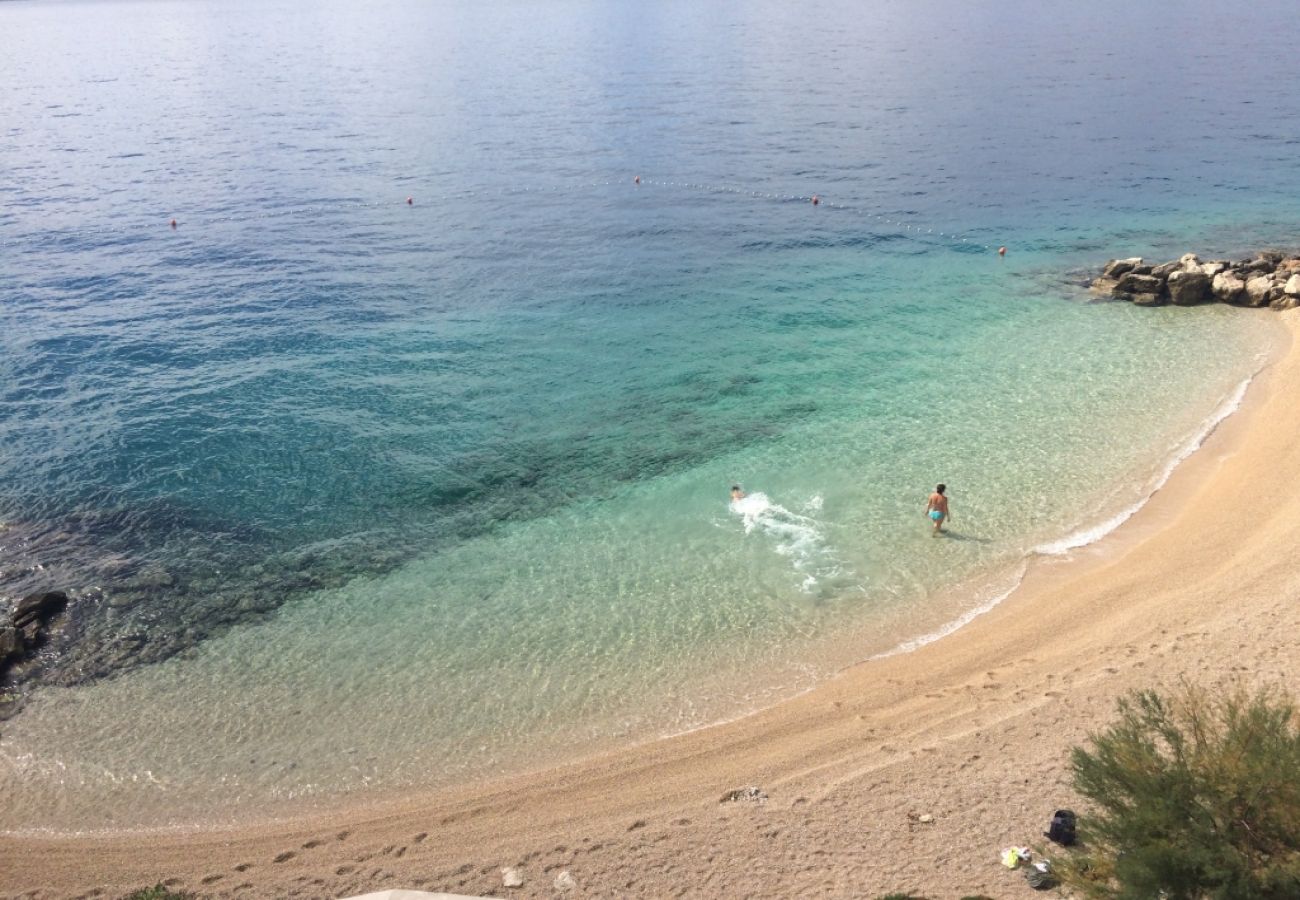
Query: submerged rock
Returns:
{"type": "Point", "coordinates": [41, 606]}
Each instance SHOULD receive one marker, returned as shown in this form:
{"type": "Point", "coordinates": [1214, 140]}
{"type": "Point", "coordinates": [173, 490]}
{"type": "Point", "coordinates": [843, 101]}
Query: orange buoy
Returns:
{"type": "Point", "coordinates": [1002, 251]}
{"type": "Point", "coordinates": [410, 202]}
{"type": "Point", "coordinates": [816, 199]}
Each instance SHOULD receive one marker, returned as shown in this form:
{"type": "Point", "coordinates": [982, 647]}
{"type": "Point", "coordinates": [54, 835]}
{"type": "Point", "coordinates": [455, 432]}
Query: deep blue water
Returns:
{"type": "Point", "coordinates": [506, 414]}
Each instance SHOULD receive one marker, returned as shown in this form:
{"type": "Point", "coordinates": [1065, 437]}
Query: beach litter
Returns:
{"type": "Point", "coordinates": [1039, 876]}
{"type": "Point", "coordinates": [565, 882]}
{"type": "Point", "coordinates": [750, 793]}
{"type": "Point", "coordinates": [1012, 857]}
{"type": "Point", "coordinates": [512, 877]}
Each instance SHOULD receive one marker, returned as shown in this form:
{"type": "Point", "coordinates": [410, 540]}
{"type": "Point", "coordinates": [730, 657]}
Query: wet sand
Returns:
{"type": "Point", "coordinates": [972, 732]}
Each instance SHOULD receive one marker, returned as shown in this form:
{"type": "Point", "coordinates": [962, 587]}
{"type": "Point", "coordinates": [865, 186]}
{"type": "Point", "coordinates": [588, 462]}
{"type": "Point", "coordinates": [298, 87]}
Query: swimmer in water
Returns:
{"type": "Point", "coordinates": [736, 493]}
{"type": "Point", "coordinates": [937, 509]}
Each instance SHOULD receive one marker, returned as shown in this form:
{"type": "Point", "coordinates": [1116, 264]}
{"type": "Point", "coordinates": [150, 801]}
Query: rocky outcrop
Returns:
{"type": "Point", "coordinates": [1228, 288]}
{"type": "Point", "coordinates": [1269, 278]}
{"type": "Point", "coordinates": [1189, 288]}
{"type": "Point", "coordinates": [24, 630]}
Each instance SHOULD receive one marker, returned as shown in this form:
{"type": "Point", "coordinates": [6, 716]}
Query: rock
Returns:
{"type": "Point", "coordinates": [1189, 262]}
{"type": "Point", "coordinates": [512, 877]}
{"type": "Point", "coordinates": [39, 607]}
{"type": "Point", "coordinates": [1257, 290]}
{"type": "Point", "coordinates": [1139, 284]}
{"type": "Point", "coordinates": [565, 882]}
{"type": "Point", "coordinates": [124, 600]}
{"type": "Point", "coordinates": [1117, 267]}
{"type": "Point", "coordinates": [925, 818]}
{"type": "Point", "coordinates": [1255, 266]}
{"type": "Point", "coordinates": [1187, 288]}
{"type": "Point", "coordinates": [749, 792]}
{"type": "Point", "coordinates": [31, 632]}
{"type": "Point", "coordinates": [1213, 268]}
{"type": "Point", "coordinates": [1146, 299]}
{"type": "Point", "coordinates": [11, 643]}
{"type": "Point", "coordinates": [1288, 266]}
{"type": "Point", "coordinates": [1272, 257]}
{"type": "Point", "coordinates": [1292, 286]}
{"type": "Point", "coordinates": [1228, 287]}
{"type": "Point", "coordinates": [1164, 270]}
{"type": "Point", "coordinates": [1286, 301]}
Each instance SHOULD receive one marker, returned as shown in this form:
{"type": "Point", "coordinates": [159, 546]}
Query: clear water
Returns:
{"type": "Point", "coordinates": [479, 446]}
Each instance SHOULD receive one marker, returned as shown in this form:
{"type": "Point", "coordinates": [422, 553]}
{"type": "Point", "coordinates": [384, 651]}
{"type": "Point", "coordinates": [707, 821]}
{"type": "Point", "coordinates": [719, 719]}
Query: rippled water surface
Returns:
{"type": "Point", "coordinates": [397, 494]}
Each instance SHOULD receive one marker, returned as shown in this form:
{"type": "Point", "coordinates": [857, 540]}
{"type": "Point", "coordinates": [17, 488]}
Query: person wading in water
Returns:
{"type": "Point", "coordinates": [937, 509]}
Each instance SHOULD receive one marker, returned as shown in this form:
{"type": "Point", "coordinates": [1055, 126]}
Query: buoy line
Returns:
{"type": "Point", "coordinates": [180, 222]}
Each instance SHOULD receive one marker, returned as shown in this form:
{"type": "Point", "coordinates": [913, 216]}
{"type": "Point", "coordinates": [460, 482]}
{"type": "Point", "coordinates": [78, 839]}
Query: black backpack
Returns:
{"type": "Point", "coordinates": [1061, 830]}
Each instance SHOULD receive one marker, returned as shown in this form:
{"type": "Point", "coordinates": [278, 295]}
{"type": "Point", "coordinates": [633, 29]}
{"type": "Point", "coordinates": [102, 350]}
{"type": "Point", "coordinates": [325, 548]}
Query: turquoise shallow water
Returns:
{"type": "Point", "coordinates": [434, 491]}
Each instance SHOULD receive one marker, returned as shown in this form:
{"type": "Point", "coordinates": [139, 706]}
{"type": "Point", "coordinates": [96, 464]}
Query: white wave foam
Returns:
{"type": "Point", "coordinates": [998, 594]}
{"type": "Point", "coordinates": [799, 537]}
{"type": "Point", "coordinates": [1092, 533]}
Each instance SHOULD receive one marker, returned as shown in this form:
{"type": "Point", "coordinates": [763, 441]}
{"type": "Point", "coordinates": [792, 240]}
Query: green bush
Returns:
{"type": "Point", "coordinates": [1195, 797]}
{"type": "Point", "coordinates": [158, 892]}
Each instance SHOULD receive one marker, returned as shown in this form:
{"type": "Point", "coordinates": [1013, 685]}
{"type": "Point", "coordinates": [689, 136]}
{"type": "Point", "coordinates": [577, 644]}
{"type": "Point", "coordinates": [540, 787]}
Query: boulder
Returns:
{"type": "Point", "coordinates": [1164, 269]}
{"type": "Point", "coordinates": [1187, 288]}
{"type": "Point", "coordinates": [11, 643]}
{"type": "Point", "coordinates": [1228, 287]}
{"type": "Point", "coordinates": [1139, 284]}
{"type": "Point", "coordinates": [1255, 266]}
{"type": "Point", "coordinates": [1286, 301]}
{"type": "Point", "coordinates": [39, 607]}
{"type": "Point", "coordinates": [1257, 290]}
{"type": "Point", "coordinates": [1288, 266]}
{"type": "Point", "coordinates": [1292, 286]}
{"type": "Point", "coordinates": [512, 877]}
{"type": "Point", "coordinates": [1214, 268]}
{"type": "Point", "coordinates": [1118, 267]}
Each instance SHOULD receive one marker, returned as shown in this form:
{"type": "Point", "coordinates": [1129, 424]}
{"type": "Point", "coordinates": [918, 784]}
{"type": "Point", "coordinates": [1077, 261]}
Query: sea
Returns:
{"type": "Point", "coordinates": [374, 376]}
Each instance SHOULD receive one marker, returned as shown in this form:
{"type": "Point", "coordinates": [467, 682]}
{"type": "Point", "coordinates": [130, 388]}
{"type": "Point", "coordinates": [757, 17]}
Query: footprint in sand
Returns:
{"type": "Point", "coordinates": [243, 867]}
{"type": "Point", "coordinates": [285, 856]}
{"type": "Point", "coordinates": [310, 844]}
{"type": "Point", "coordinates": [419, 837]}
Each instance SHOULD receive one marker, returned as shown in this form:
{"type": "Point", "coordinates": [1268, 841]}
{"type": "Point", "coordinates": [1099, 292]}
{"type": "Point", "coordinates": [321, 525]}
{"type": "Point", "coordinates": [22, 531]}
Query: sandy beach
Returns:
{"type": "Point", "coordinates": [907, 773]}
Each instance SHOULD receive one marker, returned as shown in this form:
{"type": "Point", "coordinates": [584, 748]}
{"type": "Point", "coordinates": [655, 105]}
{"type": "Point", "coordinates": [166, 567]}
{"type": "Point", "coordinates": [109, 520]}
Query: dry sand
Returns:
{"type": "Point", "coordinates": [973, 730]}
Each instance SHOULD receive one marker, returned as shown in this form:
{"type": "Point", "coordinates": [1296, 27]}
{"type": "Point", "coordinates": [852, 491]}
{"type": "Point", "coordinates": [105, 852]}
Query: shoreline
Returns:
{"type": "Point", "coordinates": [825, 743]}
